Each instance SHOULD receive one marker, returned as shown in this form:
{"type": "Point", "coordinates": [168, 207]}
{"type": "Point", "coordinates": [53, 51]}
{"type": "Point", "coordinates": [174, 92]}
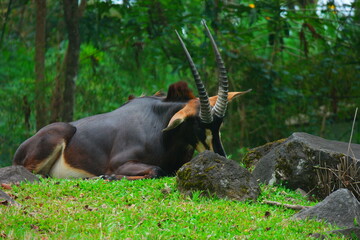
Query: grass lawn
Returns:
{"type": "Point", "coordinates": [146, 209]}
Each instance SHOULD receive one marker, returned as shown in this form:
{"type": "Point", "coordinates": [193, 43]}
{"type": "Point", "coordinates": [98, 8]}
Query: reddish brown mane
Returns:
{"type": "Point", "coordinates": [131, 97]}
{"type": "Point", "coordinates": [179, 92]}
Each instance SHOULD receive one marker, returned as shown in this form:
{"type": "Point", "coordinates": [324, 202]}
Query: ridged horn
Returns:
{"type": "Point", "coordinates": [205, 108]}
{"type": "Point", "coordinates": [220, 106]}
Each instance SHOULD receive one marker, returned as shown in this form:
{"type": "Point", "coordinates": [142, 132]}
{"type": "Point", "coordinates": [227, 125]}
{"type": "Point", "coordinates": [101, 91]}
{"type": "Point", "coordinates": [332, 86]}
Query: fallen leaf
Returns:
{"type": "Point", "coordinates": [6, 186]}
{"type": "Point", "coordinates": [139, 223]}
{"type": "Point", "coordinates": [34, 227]}
{"type": "Point", "coordinates": [71, 198]}
{"type": "Point", "coordinates": [4, 202]}
{"type": "Point", "coordinates": [27, 197]}
{"type": "Point", "coordinates": [88, 208]}
{"type": "Point", "coordinates": [12, 196]}
{"type": "Point", "coordinates": [166, 190]}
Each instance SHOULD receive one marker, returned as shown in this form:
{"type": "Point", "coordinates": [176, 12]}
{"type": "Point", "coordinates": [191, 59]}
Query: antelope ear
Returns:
{"type": "Point", "coordinates": [159, 94]}
{"type": "Point", "coordinates": [190, 109]}
{"type": "Point", "coordinates": [231, 96]}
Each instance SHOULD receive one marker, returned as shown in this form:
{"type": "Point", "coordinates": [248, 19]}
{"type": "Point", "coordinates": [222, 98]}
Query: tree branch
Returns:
{"type": "Point", "coordinates": [290, 206]}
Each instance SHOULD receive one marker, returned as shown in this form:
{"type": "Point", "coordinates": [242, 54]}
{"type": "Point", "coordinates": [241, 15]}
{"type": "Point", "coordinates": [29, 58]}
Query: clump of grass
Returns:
{"type": "Point", "coordinates": [345, 175]}
{"type": "Point", "coordinates": [146, 209]}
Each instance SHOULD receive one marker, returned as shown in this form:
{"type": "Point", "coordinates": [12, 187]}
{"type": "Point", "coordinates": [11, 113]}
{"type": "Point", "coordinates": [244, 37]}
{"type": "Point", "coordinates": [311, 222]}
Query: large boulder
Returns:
{"type": "Point", "coordinates": [215, 175]}
{"type": "Point", "coordinates": [16, 174]}
{"type": "Point", "coordinates": [340, 208]}
{"type": "Point", "coordinates": [294, 161]}
{"type": "Point", "coordinates": [254, 155]}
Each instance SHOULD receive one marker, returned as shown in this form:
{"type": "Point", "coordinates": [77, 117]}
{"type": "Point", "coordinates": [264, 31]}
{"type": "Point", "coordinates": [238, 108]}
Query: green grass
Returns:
{"type": "Point", "coordinates": [146, 209]}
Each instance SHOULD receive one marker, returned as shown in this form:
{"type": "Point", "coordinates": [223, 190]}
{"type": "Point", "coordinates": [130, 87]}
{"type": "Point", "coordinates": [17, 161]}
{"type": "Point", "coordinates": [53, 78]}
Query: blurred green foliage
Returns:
{"type": "Point", "coordinates": [301, 60]}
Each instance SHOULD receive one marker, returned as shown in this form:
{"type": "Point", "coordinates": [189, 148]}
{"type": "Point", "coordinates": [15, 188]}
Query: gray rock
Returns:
{"type": "Point", "coordinates": [340, 208]}
{"type": "Point", "coordinates": [6, 199]}
{"type": "Point", "coordinates": [350, 233]}
{"type": "Point", "coordinates": [16, 174]}
{"type": "Point", "coordinates": [293, 161]}
{"type": "Point", "coordinates": [216, 175]}
{"type": "Point", "coordinates": [254, 155]}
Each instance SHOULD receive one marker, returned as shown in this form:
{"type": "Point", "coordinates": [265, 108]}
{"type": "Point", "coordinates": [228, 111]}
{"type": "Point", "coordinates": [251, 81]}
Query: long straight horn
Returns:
{"type": "Point", "coordinates": [205, 108]}
{"type": "Point", "coordinates": [221, 104]}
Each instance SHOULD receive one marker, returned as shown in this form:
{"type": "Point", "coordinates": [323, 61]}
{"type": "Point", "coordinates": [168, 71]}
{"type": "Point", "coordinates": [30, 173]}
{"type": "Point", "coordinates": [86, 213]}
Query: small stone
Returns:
{"type": "Point", "coordinates": [16, 174]}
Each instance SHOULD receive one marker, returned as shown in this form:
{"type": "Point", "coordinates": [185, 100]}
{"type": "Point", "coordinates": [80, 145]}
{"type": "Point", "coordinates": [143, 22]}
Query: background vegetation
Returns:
{"type": "Point", "coordinates": [301, 58]}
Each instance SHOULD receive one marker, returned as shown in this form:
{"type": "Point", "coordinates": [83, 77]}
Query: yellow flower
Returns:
{"type": "Point", "coordinates": [332, 7]}
{"type": "Point", "coordinates": [252, 5]}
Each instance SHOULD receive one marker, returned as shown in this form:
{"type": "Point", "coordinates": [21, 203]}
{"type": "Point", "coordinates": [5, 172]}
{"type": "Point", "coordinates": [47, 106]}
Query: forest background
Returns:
{"type": "Point", "coordinates": [64, 60]}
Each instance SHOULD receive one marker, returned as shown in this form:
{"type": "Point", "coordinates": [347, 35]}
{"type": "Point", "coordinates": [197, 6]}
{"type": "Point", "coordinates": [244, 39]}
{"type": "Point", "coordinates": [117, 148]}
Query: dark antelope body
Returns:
{"type": "Point", "coordinates": [147, 137]}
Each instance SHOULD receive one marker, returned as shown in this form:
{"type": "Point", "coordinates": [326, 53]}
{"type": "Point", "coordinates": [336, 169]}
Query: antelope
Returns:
{"type": "Point", "coordinates": [147, 137]}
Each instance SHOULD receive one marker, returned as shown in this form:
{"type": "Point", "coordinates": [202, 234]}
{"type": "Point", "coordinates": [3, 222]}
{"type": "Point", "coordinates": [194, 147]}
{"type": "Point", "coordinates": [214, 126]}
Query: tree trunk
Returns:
{"type": "Point", "coordinates": [40, 109]}
{"type": "Point", "coordinates": [72, 14]}
{"type": "Point", "coordinates": [63, 97]}
{"type": "Point", "coordinates": [5, 22]}
{"type": "Point", "coordinates": [58, 91]}
{"type": "Point", "coordinates": [57, 100]}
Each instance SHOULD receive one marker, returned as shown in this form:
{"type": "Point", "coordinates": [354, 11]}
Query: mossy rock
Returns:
{"type": "Point", "coordinates": [214, 175]}
{"type": "Point", "coordinates": [252, 157]}
{"type": "Point", "coordinates": [16, 174]}
{"type": "Point", "coordinates": [295, 162]}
